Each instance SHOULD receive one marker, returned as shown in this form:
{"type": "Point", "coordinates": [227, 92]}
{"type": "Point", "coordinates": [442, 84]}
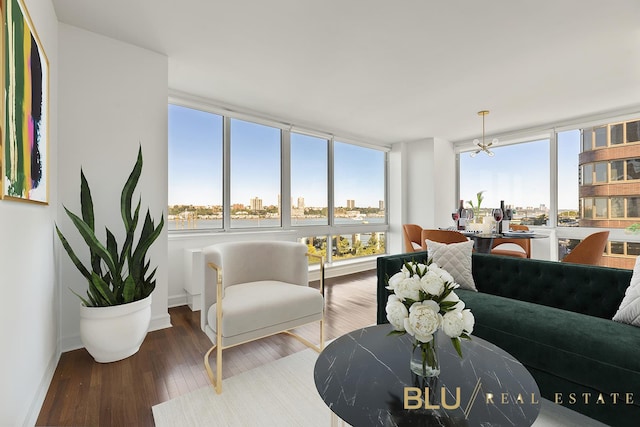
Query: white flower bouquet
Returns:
{"type": "Point", "coordinates": [423, 300]}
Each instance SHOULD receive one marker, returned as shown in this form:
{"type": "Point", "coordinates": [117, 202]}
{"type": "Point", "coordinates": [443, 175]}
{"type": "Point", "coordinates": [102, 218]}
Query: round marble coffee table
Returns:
{"type": "Point", "coordinates": [364, 378]}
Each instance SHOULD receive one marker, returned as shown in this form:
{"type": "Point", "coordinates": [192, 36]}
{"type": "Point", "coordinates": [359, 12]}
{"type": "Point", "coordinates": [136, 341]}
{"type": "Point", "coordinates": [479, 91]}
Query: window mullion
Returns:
{"type": "Point", "coordinates": [285, 181]}
{"type": "Point", "coordinates": [226, 174]}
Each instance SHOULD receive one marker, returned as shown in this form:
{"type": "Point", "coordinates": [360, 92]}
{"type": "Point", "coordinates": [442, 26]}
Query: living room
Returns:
{"type": "Point", "coordinates": [406, 79]}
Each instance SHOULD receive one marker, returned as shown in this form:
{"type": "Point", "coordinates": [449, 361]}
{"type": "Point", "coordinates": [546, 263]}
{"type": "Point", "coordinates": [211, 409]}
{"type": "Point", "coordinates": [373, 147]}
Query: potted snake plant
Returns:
{"type": "Point", "coordinates": [116, 311]}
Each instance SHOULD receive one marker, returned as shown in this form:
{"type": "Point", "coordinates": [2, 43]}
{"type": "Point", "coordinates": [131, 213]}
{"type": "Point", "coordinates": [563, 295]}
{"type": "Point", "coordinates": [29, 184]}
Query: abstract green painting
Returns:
{"type": "Point", "coordinates": [25, 132]}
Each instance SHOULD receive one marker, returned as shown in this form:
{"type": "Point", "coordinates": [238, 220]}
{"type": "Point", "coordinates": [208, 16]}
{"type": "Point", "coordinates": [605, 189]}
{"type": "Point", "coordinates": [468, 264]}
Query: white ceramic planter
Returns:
{"type": "Point", "coordinates": [114, 333]}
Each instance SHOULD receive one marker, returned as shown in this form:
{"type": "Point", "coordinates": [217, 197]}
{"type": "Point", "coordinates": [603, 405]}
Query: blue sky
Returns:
{"type": "Point", "coordinates": [195, 166]}
{"type": "Point", "coordinates": [519, 174]}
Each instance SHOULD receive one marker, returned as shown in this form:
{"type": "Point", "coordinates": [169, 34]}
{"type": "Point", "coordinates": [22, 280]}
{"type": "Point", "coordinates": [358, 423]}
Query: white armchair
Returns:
{"type": "Point", "coordinates": [256, 289]}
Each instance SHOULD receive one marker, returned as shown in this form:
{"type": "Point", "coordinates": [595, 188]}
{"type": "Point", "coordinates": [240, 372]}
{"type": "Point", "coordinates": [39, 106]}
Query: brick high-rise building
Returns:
{"type": "Point", "coordinates": [609, 190]}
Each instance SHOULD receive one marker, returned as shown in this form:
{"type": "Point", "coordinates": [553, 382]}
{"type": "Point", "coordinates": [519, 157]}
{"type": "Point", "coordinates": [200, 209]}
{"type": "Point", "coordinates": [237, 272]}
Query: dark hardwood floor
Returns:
{"type": "Point", "coordinates": [170, 362]}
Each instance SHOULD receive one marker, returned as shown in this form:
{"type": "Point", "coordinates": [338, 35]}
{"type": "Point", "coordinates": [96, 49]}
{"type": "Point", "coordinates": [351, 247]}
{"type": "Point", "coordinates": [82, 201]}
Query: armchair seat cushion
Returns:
{"type": "Point", "coordinates": [253, 309]}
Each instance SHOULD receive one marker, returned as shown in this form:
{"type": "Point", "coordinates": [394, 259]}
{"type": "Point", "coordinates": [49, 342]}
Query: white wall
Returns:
{"type": "Point", "coordinates": [29, 303]}
{"type": "Point", "coordinates": [444, 178]}
{"type": "Point", "coordinates": [422, 184]}
{"type": "Point", "coordinates": [113, 97]}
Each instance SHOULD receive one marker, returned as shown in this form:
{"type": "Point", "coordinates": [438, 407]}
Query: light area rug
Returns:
{"type": "Point", "coordinates": [282, 393]}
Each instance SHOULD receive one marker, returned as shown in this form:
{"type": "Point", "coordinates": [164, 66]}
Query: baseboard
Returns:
{"type": "Point", "coordinates": [160, 322]}
{"type": "Point", "coordinates": [177, 300]}
{"type": "Point", "coordinates": [41, 393]}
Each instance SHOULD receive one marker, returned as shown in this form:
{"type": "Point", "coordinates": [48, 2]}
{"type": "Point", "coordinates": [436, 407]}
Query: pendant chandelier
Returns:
{"type": "Point", "coordinates": [482, 146]}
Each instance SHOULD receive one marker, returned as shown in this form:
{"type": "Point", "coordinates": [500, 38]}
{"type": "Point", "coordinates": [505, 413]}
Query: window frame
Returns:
{"type": "Point", "coordinates": [587, 124]}
{"type": "Point", "coordinates": [329, 230]}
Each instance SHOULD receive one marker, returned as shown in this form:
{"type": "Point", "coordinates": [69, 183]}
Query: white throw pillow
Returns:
{"type": "Point", "coordinates": [456, 259]}
{"type": "Point", "coordinates": [415, 246]}
{"type": "Point", "coordinates": [629, 310]}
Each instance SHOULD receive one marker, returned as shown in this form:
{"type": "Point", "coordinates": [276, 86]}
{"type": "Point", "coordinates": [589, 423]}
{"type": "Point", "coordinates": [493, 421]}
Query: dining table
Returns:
{"type": "Point", "coordinates": [483, 241]}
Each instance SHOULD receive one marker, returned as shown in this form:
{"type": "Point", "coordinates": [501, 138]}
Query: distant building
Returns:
{"type": "Point", "coordinates": [609, 190]}
{"type": "Point", "coordinates": [300, 202]}
{"type": "Point", "coordinates": [351, 204]}
{"type": "Point", "coordinates": [381, 205]}
{"type": "Point", "coordinates": [255, 204]}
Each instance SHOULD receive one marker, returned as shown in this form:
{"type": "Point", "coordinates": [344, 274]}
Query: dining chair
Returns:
{"type": "Point", "coordinates": [255, 289]}
{"type": "Point", "coordinates": [442, 236]}
{"type": "Point", "coordinates": [412, 238]}
{"type": "Point", "coordinates": [519, 248]}
{"type": "Point", "coordinates": [590, 250]}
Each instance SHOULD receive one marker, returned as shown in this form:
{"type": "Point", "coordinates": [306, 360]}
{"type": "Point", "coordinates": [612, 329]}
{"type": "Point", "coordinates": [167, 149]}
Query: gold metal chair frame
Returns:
{"type": "Point", "coordinates": [216, 380]}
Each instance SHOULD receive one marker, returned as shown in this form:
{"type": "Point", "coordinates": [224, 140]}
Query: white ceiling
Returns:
{"type": "Point", "coordinates": [388, 71]}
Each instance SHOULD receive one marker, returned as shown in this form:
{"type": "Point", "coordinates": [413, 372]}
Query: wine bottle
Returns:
{"type": "Point", "coordinates": [500, 223]}
{"type": "Point", "coordinates": [461, 221]}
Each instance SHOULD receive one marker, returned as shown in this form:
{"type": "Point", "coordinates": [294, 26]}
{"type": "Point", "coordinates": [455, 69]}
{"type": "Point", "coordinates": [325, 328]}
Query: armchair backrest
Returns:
{"type": "Point", "coordinates": [411, 233]}
{"type": "Point", "coordinates": [251, 261]}
{"type": "Point", "coordinates": [590, 250]}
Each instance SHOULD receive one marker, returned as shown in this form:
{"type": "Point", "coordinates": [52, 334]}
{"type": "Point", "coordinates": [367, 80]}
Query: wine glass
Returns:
{"type": "Point", "coordinates": [497, 215]}
{"type": "Point", "coordinates": [455, 215]}
{"type": "Point", "coordinates": [467, 215]}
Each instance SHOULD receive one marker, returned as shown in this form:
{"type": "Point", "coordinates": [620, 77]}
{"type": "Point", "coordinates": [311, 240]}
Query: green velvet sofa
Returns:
{"type": "Point", "coordinates": [555, 318]}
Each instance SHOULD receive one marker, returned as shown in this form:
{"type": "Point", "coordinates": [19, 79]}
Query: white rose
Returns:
{"type": "Point", "coordinates": [469, 321]}
{"type": "Point", "coordinates": [408, 288]}
{"type": "Point", "coordinates": [444, 274]}
{"type": "Point", "coordinates": [432, 283]}
{"type": "Point", "coordinates": [424, 319]}
{"type": "Point", "coordinates": [453, 297]}
{"type": "Point", "coordinates": [395, 279]}
{"type": "Point", "coordinates": [396, 312]}
{"type": "Point", "coordinates": [453, 324]}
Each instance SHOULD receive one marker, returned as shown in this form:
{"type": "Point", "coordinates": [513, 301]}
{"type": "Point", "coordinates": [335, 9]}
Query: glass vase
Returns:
{"type": "Point", "coordinates": [424, 359]}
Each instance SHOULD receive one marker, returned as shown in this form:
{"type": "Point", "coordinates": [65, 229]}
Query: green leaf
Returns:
{"type": "Point", "coordinates": [456, 345]}
{"type": "Point", "coordinates": [86, 202]}
{"type": "Point", "coordinates": [127, 192]}
{"type": "Point", "coordinates": [84, 301]}
{"type": "Point", "coordinates": [129, 290]}
{"type": "Point", "coordinates": [447, 305]}
{"type": "Point", "coordinates": [394, 332]}
{"type": "Point", "coordinates": [112, 247]}
{"type": "Point", "coordinates": [90, 238]}
{"type": "Point", "coordinates": [72, 255]}
{"type": "Point", "coordinates": [147, 237]}
{"type": "Point", "coordinates": [103, 289]}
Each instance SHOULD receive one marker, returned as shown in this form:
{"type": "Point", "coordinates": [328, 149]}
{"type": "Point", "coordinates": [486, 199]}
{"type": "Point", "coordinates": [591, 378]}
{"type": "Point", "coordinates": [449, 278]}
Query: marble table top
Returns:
{"type": "Point", "coordinates": [364, 377]}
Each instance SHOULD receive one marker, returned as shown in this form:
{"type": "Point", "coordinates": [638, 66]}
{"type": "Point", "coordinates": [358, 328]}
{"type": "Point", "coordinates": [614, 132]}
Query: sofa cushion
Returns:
{"type": "Point", "coordinates": [455, 258]}
{"type": "Point", "coordinates": [629, 310]}
{"type": "Point", "coordinates": [588, 350]}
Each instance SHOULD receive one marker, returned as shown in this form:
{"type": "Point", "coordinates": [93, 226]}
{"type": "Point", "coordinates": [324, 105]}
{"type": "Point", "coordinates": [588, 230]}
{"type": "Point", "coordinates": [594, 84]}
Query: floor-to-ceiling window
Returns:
{"type": "Point", "coordinates": [230, 173]}
{"type": "Point", "coordinates": [605, 162]}
{"type": "Point", "coordinates": [255, 172]}
{"type": "Point", "coordinates": [578, 181]}
{"type": "Point", "coordinates": [516, 174]}
{"type": "Point", "coordinates": [195, 169]}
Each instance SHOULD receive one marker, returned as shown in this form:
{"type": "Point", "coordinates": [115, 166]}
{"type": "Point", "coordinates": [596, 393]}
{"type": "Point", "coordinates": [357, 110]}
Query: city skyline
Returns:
{"type": "Point", "coordinates": [195, 164]}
